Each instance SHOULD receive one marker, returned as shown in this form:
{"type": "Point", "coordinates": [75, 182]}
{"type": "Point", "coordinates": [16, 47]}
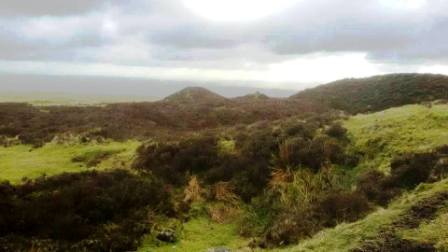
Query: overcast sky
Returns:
{"type": "Point", "coordinates": [286, 44]}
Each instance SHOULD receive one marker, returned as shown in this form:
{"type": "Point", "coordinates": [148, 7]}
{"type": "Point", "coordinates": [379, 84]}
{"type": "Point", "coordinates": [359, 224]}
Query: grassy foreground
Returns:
{"type": "Point", "coordinates": [21, 161]}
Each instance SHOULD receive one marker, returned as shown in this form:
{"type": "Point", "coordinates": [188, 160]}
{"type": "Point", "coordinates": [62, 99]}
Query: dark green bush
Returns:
{"type": "Point", "coordinates": [407, 171]}
{"type": "Point", "coordinates": [337, 131]}
{"type": "Point", "coordinates": [96, 211]}
{"type": "Point", "coordinates": [174, 161]}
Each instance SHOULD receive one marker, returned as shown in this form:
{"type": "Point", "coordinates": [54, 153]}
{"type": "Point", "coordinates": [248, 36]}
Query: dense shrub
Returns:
{"type": "Point", "coordinates": [95, 211]}
{"type": "Point", "coordinates": [174, 161]}
{"type": "Point", "coordinates": [248, 168]}
{"type": "Point", "coordinates": [376, 187]}
{"type": "Point", "coordinates": [336, 130]}
{"type": "Point", "coordinates": [342, 206]}
{"type": "Point", "coordinates": [407, 171]}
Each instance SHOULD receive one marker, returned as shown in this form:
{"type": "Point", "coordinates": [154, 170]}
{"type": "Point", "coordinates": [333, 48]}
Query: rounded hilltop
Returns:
{"type": "Point", "coordinates": [195, 95]}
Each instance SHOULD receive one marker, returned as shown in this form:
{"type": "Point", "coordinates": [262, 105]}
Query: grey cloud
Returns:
{"type": "Point", "coordinates": [170, 35]}
{"type": "Point", "coordinates": [46, 7]}
{"type": "Point", "coordinates": [197, 36]}
{"type": "Point", "coordinates": [430, 43]}
{"type": "Point", "coordinates": [385, 34]}
{"type": "Point", "coordinates": [49, 38]}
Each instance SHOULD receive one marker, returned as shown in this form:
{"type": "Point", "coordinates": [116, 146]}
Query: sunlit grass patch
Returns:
{"type": "Point", "coordinates": [412, 128]}
{"type": "Point", "coordinates": [21, 161]}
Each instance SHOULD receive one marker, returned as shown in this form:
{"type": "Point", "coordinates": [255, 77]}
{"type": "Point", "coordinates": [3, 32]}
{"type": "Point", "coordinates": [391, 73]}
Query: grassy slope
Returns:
{"type": "Point", "coordinates": [23, 161]}
{"type": "Point", "coordinates": [347, 236]}
{"type": "Point", "coordinates": [381, 135]}
{"type": "Point", "coordinates": [404, 129]}
{"type": "Point", "coordinates": [434, 231]}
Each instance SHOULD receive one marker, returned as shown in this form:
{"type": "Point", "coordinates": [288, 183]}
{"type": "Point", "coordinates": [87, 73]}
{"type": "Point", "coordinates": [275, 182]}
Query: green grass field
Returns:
{"type": "Point", "coordinates": [67, 99]}
{"type": "Point", "coordinates": [410, 128]}
{"type": "Point", "coordinates": [21, 161]}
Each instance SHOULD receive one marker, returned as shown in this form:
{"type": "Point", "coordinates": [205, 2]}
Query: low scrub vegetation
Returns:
{"type": "Point", "coordinates": [93, 211]}
{"type": "Point", "coordinates": [293, 170]}
{"type": "Point", "coordinates": [407, 171]}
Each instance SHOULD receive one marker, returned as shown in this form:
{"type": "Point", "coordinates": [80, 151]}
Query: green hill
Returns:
{"type": "Point", "coordinates": [379, 92]}
{"type": "Point", "coordinates": [195, 95]}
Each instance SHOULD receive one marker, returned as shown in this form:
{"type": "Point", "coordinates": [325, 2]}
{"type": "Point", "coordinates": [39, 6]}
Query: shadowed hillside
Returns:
{"type": "Point", "coordinates": [378, 92]}
{"type": "Point", "coordinates": [257, 96]}
{"type": "Point", "coordinates": [189, 109]}
{"type": "Point", "coordinates": [195, 95]}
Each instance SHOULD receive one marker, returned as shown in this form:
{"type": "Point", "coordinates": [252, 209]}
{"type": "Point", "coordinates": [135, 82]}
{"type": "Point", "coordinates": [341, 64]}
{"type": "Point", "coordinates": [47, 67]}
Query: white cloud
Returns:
{"type": "Point", "coordinates": [323, 67]}
{"type": "Point", "coordinates": [404, 4]}
{"type": "Point", "coordinates": [436, 69]}
{"type": "Point", "coordinates": [237, 10]}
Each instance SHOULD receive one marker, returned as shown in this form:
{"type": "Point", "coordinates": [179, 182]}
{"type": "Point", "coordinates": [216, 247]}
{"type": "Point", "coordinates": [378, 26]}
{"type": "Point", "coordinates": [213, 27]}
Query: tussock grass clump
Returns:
{"type": "Point", "coordinates": [303, 202]}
